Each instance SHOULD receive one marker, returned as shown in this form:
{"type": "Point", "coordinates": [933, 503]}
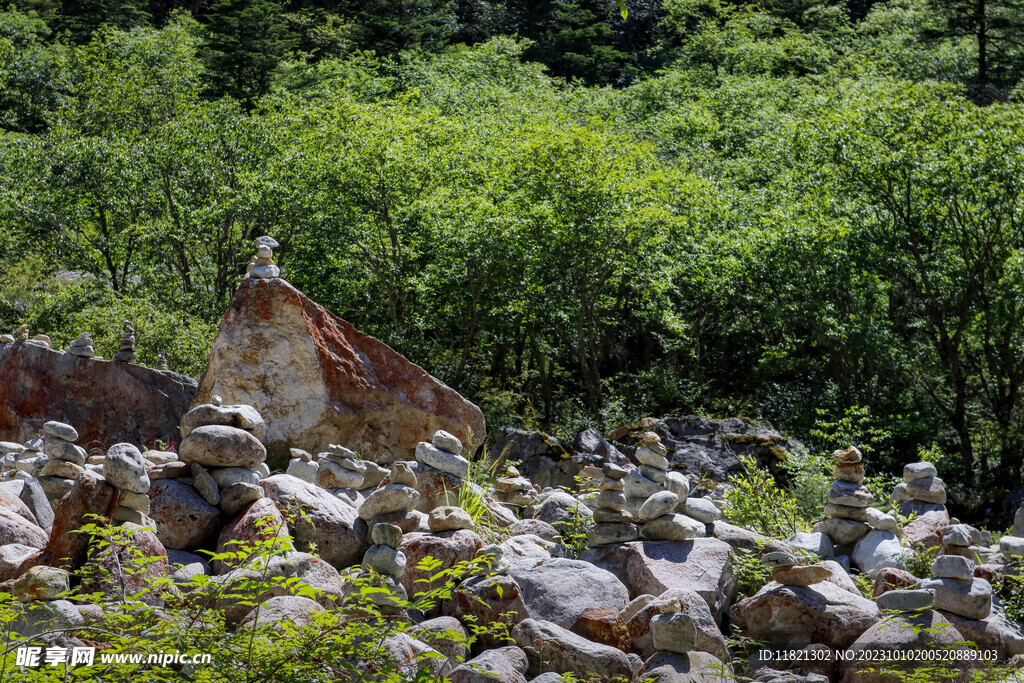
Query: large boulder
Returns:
{"type": "Point", "coordinates": [692, 667]}
{"type": "Point", "coordinates": [560, 590]}
{"type": "Point", "coordinates": [553, 648]}
{"type": "Point", "coordinates": [448, 548]}
{"type": "Point", "coordinates": [653, 567]}
{"type": "Point", "coordinates": [127, 402]}
{"type": "Point", "coordinates": [315, 379]}
{"type": "Point", "coordinates": [183, 517]}
{"type": "Point", "coordinates": [90, 495]}
{"type": "Point", "coordinates": [874, 656]}
{"type": "Point", "coordinates": [798, 616]}
{"type": "Point", "coordinates": [325, 520]}
{"type": "Point", "coordinates": [709, 636]}
{"type": "Point", "coordinates": [543, 459]}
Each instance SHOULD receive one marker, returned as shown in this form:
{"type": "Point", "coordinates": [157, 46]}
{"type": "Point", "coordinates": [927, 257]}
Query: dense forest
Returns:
{"type": "Point", "coordinates": [801, 211]}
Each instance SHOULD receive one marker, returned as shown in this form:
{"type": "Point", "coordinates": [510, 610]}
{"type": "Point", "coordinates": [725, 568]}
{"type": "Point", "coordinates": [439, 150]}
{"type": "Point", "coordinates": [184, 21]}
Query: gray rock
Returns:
{"type": "Point", "coordinates": [331, 475]}
{"type": "Point", "coordinates": [927, 490]}
{"type": "Point", "coordinates": [238, 496]}
{"type": "Point", "coordinates": [402, 473]}
{"type": "Point", "coordinates": [843, 532]}
{"type": "Point", "coordinates": [906, 600]}
{"type": "Point", "coordinates": [449, 518]}
{"type": "Point", "coordinates": [450, 463]}
{"type": "Point", "coordinates": [953, 567]}
{"type": "Point", "coordinates": [386, 534]}
{"type": "Point", "coordinates": [12, 556]}
{"type": "Point", "coordinates": [779, 558]}
{"type": "Point", "coordinates": [239, 416]}
{"type": "Point", "coordinates": [58, 449]}
{"type": "Point", "coordinates": [125, 469]}
{"type": "Point", "coordinates": [881, 521]}
{"type": "Point", "coordinates": [562, 650]}
{"type": "Point", "coordinates": [609, 533]}
{"type": "Point", "coordinates": [60, 430]}
{"type": "Point", "coordinates": [674, 633]}
{"type": "Point", "coordinates": [878, 550]}
{"type": "Point", "coordinates": [446, 442]}
{"type": "Point", "coordinates": [505, 664]}
{"type": "Point", "coordinates": [41, 583]}
{"type": "Point", "coordinates": [307, 471]}
{"type": "Point", "coordinates": [702, 510]}
{"type": "Point", "coordinates": [390, 498]}
{"type": "Point", "coordinates": [648, 457]}
{"type": "Point", "coordinates": [957, 535]}
{"type": "Point", "coordinates": [1011, 546]}
{"type": "Point", "coordinates": [968, 598]}
{"type": "Point", "coordinates": [672, 527]}
{"type": "Point", "coordinates": [221, 446]}
{"type": "Point", "coordinates": [446, 635]}
{"type": "Point", "coordinates": [918, 470]}
{"type": "Point", "coordinates": [611, 500]}
{"type": "Point", "coordinates": [226, 476]}
{"type": "Point", "coordinates": [39, 616]}
{"type": "Point", "coordinates": [639, 486]}
{"type": "Point", "coordinates": [661, 503]}
{"type": "Point", "coordinates": [135, 501]}
{"type": "Point", "coordinates": [183, 518]}
{"type": "Point", "coordinates": [560, 590]}
{"type": "Point", "coordinates": [815, 542]}
{"type": "Point", "coordinates": [852, 495]}
{"type": "Point", "coordinates": [677, 483]}
{"type": "Point", "coordinates": [205, 485]}
{"type": "Point", "coordinates": [385, 560]}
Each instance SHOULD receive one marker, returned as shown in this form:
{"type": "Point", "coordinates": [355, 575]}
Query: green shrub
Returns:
{"type": "Point", "coordinates": [755, 500]}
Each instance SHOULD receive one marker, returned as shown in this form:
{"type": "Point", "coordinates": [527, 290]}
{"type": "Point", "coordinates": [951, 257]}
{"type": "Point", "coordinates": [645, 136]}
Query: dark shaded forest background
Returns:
{"type": "Point", "coordinates": [802, 211]}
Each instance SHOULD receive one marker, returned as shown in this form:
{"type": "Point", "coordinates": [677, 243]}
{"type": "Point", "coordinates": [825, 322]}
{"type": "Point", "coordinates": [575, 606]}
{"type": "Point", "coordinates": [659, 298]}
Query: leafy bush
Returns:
{"type": "Point", "coordinates": [755, 500]}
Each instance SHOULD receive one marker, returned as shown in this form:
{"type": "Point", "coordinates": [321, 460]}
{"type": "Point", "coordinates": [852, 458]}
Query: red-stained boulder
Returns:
{"type": "Point", "coordinates": [261, 521]}
{"type": "Point", "coordinates": [604, 626]}
{"type": "Point", "coordinates": [316, 380]}
{"type": "Point", "coordinates": [125, 570]}
{"type": "Point", "coordinates": [891, 578]}
{"type": "Point", "coordinates": [448, 547]}
{"type": "Point", "coordinates": [926, 530]}
{"type": "Point", "coordinates": [709, 636]}
{"type": "Point", "coordinates": [127, 403]}
{"type": "Point", "coordinates": [90, 495]}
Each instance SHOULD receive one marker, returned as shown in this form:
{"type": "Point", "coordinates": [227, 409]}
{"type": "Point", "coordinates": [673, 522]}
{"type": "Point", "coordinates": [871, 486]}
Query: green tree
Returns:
{"type": "Point", "coordinates": [246, 41]}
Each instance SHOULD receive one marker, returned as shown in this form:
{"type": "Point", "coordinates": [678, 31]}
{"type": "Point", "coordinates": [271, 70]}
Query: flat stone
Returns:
{"type": "Point", "coordinates": [60, 468]}
{"type": "Point", "coordinates": [125, 469]}
{"type": "Point", "coordinates": [171, 470]}
{"type": "Point", "coordinates": [672, 527]}
{"type": "Point", "coordinates": [806, 575]}
{"type": "Point", "coordinates": [226, 476]}
{"type": "Point", "coordinates": [449, 463]}
{"type": "Point", "coordinates": [239, 416]}
{"type": "Point", "coordinates": [303, 469]}
{"type": "Point", "coordinates": [606, 516]}
{"type": "Point", "coordinates": [609, 533]}
{"type": "Point", "coordinates": [648, 457]}
{"type": "Point", "coordinates": [702, 510]}
{"type": "Point", "coordinates": [918, 470]}
{"type": "Point", "coordinates": [843, 493]}
{"type": "Point", "coordinates": [390, 498]}
{"type": "Point", "coordinates": [846, 512]}
{"type": "Point", "coordinates": [957, 535]}
{"type": "Point", "coordinates": [852, 473]}
{"type": "Point", "coordinates": [842, 531]}
{"type": "Point", "coordinates": [60, 430]}
{"type": "Point", "coordinates": [779, 558]}
{"type": "Point", "coordinates": [613, 471]}
{"type": "Point", "coordinates": [446, 441]}
{"type": "Point", "coordinates": [952, 567]}
{"type": "Point", "coordinates": [847, 455]}
{"type": "Point", "coordinates": [906, 600]}
{"type": "Point", "coordinates": [659, 504]}
{"type": "Point", "coordinates": [927, 490]}
{"type": "Point", "coordinates": [331, 475]}
{"type": "Point", "coordinates": [611, 500]}
{"type": "Point", "coordinates": [221, 446]}
{"type": "Point", "coordinates": [639, 486]}
{"type": "Point", "coordinates": [449, 518]}
{"type": "Point", "coordinates": [971, 598]}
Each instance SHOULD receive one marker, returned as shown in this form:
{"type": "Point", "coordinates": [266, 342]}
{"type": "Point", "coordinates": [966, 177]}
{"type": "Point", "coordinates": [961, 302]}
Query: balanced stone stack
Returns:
{"type": "Point", "coordinates": [221, 446]}
{"type": "Point", "coordinates": [921, 491]}
{"type": "Point", "coordinates": [661, 523]}
{"type": "Point", "coordinates": [394, 502]}
{"type": "Point", "coordinates": [672, 630]}
{"type": "Point", "coordinates": [788, 571]}
{"type": "Point", "coordinates": [125, 469]}
{"type": "Point", "coordinates": [444, 453]}
{"type": "Point", "coordinates": [848, 501]}
{"type": "Point", "coordinates": [83, 346]}
{"type": "Point", "coordinates": [22, 335]}
{"type": "Point", "coordinates": [612, 522]}
{"type": "Point", "coordinates": [126, 351]}
{"type": "Point", "coordinates": [957, 539]}
{"type": "Point", "coordinates": [64, 460]}
{"type": "Point", "coordinates": [303, 465]}
{"type": "Point", "coordinates": [264, 267]}
{"type": "Point", "coordinates": [385, 561]}
{"type": "Point", "coordinates": [161, 362]}
{"type": "Point", "coordinates": [338, 468]}
{"type": "Point", "coordinates": [639, 486]}
{"type": "Point", "coordinates": [906, 600]}
{"type": "Point", "coordinates": [30, 455]}
{"type": "Point", "coordinates": [956, 589]}
{"type": "Point", "coordinates": [514, 490]}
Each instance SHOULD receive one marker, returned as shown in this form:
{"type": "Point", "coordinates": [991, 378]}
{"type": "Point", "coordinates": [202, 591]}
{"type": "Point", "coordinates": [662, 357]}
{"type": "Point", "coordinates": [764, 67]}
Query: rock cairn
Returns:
{"type": "Point", "coordinates": [958, 539]}
{"type": "Point", "coordinates": [82, 347]}
{"type": "Point", "coordinates": [846, 515]}
{"type": "Point", "coordinates": [161, 362]}
{"type": "Point", "coordinates": [394, 502]}
{"type": "Point", "coordinates": [64, 460]}
{"type": "Point", "coordinates": [31, 454]}
{"type": "Point", "coordinates": [660, 523]}
{"type": "Point", "coordinates": [338, 468]}
{"type": "Point", "coordinates": [385, 562]}
{"type": "Point", "coordinates": [443, 453]}
{"type": "Point", "coordinates": [22, 335]}
{"type": "Point", "coordinates": [956, 589]}
{"type": "Point", "coordinates": [264, 267]}
{"type": "Point", "coordinates": [125, 469]}
{"type": "Point", "coordinates": [788, 570]}
{"type": "Point", "coordinates": [921, 491]}
{"type": "Point", "coordinates": [221, 446]}
{"type": "Point", "coordinates": [639, 486]}
{"type": "Point", "coordinates": [514, 490]}
{"type": "Point", "coordinates": [612, 522]}
{"type": "Point", "coordinates": [126, 351]}
{"type": "Point", "coordinates": [303, 465]}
